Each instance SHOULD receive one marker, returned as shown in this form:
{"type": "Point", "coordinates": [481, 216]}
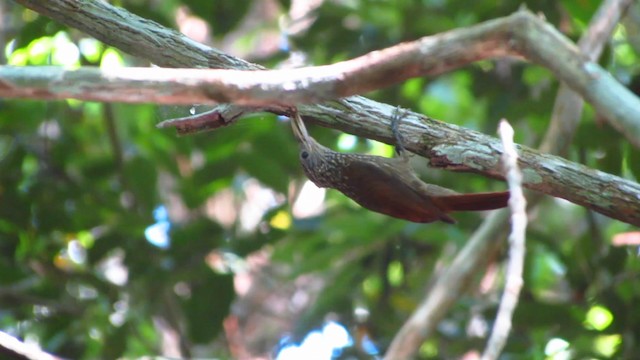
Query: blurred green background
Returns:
{"type": "Point", "coordinates": [119, 239]}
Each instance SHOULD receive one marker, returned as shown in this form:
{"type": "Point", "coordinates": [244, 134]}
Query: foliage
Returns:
{"type": "Point", "coordinates": [80, 184]}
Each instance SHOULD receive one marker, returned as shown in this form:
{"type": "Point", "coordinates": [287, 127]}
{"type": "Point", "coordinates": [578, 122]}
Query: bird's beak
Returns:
{"type": "Point", "coordinates": [299, 130]}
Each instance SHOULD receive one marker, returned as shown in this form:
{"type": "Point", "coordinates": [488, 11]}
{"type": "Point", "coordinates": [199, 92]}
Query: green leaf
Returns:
{"type": "Point", "coordinates": [208, 305]}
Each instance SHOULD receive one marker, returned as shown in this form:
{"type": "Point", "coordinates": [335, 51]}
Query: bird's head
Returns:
{"type": "Point", "coordinates": [312, 154]}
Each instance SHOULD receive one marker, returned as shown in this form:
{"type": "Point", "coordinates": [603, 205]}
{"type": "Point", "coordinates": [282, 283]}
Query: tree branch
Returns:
{"type": "Point", "coordinates": [521, 35]}
{"type": "Point", "coordinates": [16, 347]}
{"type": "Point", "coordinates": [447, 146]}
{"type": "Point", "coordinates": [568, 106]}
{"type": "Point", "coordinates": [484, 243]}
{"type": "Point", "coordinates": [137, 36]}
{"type": "Point", "coordinates": [517, 236]}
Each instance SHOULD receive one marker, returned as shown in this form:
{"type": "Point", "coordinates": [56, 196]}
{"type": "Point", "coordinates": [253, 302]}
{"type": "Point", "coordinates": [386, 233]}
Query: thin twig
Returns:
{"type": "Point", "coordinates": [482, 245]}
{"type": "Point", "coordinates": [448, 287]}
{"type": "Point", "coordinates": [568, 105]}
{"type": "Point", "coordinates": [221, 116]}
{"type": "Point", "coordinates": [30, 352]}
{"type": "Point", "coordinates": [513, 282]}
{"type": "Point", "coordinates": [447, 146]}
{"type": "Point", "coordinates": [521, 35]}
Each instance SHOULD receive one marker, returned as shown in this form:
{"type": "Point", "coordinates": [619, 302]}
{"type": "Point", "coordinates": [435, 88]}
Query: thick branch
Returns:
{"type": "Point", "coordinates": [521, 34]}
{"type": "Point", "coordinates": [135, 35]}
{"type": "Point", "coordinates": [447, 146]}
{"type": "Point", "coordinates": [451, 147]}
{"type": "Point", "coordinates": [568, 106]}
{"type": "Point", "coordinates": [453, 282]}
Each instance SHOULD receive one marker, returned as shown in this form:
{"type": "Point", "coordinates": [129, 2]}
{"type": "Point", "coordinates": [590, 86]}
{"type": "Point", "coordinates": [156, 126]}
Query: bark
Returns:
{"type": "Point", "coordinates": [447, 146]}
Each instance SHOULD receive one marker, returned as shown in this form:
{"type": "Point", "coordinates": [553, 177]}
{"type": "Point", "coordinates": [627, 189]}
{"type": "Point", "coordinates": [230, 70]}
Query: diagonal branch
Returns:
{"type": "Point", "coordinates": [520, 35]}
{"type": "Point", "coordinates": [447, 146]}
{"type": "Point", "coordinates": [137, 36]}
{"type": "Point", "coordinates": [484, 244]}
{"type": "Point", "coordinates": [17, 349]}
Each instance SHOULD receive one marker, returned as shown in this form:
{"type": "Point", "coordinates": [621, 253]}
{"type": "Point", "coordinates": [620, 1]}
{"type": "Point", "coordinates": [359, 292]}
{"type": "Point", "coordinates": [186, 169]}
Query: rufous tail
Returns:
{"type": "Point", "coordinates": [474, 202]}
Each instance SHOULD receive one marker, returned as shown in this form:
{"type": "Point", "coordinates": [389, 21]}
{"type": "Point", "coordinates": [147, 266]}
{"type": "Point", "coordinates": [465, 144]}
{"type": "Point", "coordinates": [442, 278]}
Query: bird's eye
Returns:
{"type": "Point", "coordinates": [304, 154]}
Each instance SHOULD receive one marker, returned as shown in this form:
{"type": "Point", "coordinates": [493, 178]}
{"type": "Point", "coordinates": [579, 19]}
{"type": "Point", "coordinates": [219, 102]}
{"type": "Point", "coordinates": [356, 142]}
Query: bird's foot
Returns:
{"type": "Point", "coordinates": [398, 114]}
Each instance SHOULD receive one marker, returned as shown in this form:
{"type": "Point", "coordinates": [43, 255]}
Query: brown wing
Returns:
{"type": "Point", "coordinates": [388, 193]}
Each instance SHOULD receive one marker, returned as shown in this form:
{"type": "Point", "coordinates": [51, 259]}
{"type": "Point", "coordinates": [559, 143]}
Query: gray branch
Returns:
{"type": "Point", "coordinates": [520, 35]}
{"type": "Point", "coordinates": [447, 146]}
{"type": "Point", "coordinates": [485, 243]}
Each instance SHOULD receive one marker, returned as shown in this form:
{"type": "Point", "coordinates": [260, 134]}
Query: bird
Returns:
{"type": "Point", "coordinates": [386, 185]}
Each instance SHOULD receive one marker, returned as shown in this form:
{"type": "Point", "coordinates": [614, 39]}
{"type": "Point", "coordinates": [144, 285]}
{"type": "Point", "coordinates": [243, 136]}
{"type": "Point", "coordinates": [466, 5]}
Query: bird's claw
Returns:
{"type": "Point", "coordinates": [395, 130]}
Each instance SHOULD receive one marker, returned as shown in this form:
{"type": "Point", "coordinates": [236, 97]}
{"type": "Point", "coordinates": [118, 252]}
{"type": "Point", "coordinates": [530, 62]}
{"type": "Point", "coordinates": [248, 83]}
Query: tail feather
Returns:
{"type": "Point", "coordinates": [474, 202]}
